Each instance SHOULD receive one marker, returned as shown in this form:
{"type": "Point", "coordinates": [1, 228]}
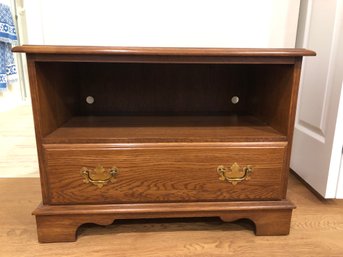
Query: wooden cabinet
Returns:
{"type": "Point", "coordinates": [126, 133]}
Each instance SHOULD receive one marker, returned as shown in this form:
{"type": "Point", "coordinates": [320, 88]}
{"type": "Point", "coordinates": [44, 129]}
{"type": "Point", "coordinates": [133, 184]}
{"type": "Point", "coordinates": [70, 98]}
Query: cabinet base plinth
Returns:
{"type": "Point", "coordinates": [59, 223]}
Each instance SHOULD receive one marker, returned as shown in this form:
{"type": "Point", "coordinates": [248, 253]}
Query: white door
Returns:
{"type": "Point", "coordinates": [318, 135]}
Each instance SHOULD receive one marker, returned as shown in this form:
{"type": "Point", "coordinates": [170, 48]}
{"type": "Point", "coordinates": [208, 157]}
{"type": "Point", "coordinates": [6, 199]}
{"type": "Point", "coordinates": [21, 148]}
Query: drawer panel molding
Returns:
{"type": "Point", "coordinates": [164, 173]}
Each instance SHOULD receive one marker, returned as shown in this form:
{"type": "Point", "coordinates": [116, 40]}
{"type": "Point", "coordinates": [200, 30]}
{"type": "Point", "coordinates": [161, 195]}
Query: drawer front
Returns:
{"type": "Point", "coordinates": [164, 173]}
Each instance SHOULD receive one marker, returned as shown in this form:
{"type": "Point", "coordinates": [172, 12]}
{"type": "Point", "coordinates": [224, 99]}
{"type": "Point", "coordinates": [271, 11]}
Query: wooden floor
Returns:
{"type": "Point", "coordinates": [317, 225]}
{"type": "Point", "coordinates": [317, 230]}
{"type": "Point", "coordinates": [18, 154]}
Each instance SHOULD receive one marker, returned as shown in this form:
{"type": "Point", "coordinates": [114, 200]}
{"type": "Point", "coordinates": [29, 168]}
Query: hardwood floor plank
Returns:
{"type": "Point", "coordinates": [18, 153]}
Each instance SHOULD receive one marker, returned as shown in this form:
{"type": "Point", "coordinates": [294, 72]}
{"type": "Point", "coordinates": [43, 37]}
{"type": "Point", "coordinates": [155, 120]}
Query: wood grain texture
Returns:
{"type": "Point", "coordinates": [60, 223]}
{"type": "Point", "coordinates": [275, 94]}
{"type": "Point", "coordinates": [316, 230]}
{"type": "Point", "coordinates": [163, 173]}
{"type": "Point", "coordinates": [162, 51]}
{"type": "Point", "coordinates": [39, 129]}
{"type": "Point", "coordinates": [159, 165]}
{"type": "Point", "coordinates": [292, 112]}
{"type": "Point", "coordinates": [53, 103]}
{"type": "Point", "coordinates": [169, 209]}
{"type": "Point", "coordinates": [56, 95]}
{"type": "Point", "coordinates": [271, 88]}
{"type": "Point", "coordinates": [82, 58]}
{"type": "Point", "coordinates": [150, 129]}
{"type": "Point", "coordinates": [166, 89]}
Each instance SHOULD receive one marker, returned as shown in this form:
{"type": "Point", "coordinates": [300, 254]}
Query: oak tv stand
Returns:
{"type": "Point", "coordinates": [125, 133]}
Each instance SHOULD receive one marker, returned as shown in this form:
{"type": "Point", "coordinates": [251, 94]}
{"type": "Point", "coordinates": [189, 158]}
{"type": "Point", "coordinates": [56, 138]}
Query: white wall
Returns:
{"type": "Point", "coordinates": [197, 23]}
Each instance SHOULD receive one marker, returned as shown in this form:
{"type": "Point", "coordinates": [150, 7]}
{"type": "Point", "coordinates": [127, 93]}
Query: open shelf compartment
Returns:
{"type": "Point", "coordinates": [149, 102]}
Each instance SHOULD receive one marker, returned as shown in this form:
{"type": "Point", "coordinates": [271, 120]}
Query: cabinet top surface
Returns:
{"type": "Point", "coordinates": [162, 51]}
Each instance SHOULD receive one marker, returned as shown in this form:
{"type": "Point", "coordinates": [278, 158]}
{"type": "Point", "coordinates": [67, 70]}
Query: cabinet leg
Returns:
{"type": "Point", "coordinates": [63, 228]}
{"type": "Point", "coordinates": [273, 223]}
{"type": "Point", "coordinates": [56, 229]}
{"type": "Point", "coordinates": [267, 222]}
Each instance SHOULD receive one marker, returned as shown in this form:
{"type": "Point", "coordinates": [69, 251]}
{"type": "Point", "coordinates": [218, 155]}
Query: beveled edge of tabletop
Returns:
{"type": "Point", "coordinates": [162, 51]}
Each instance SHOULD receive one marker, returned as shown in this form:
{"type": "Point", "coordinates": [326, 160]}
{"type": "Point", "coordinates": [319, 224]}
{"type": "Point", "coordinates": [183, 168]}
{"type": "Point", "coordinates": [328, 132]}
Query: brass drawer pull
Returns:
{"type": "Point", "coordinates": [234, 175]}
{"type": "Point", "coordinates": [99, 176]}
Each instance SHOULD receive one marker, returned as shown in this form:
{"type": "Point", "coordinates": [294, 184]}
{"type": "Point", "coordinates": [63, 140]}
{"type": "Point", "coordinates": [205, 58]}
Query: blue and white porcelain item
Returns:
{"type": "Point", "coordinates": [8, 37]}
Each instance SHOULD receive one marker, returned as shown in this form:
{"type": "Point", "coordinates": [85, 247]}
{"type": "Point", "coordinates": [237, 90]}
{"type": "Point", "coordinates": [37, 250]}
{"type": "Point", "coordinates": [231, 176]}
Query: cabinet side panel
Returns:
{"type": "Point", "coordinates": [53, 96]}
{"type": "Point", "coordinates": [57, 92]}
{"type": "Point", "coordinates": [291, 115]}
{"type": "Point", "coordinates": [37, 122]}
{"type": "Point", "coordinates": [274, 98]}
{"type": "Point", "coordinates": [271, 89]}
